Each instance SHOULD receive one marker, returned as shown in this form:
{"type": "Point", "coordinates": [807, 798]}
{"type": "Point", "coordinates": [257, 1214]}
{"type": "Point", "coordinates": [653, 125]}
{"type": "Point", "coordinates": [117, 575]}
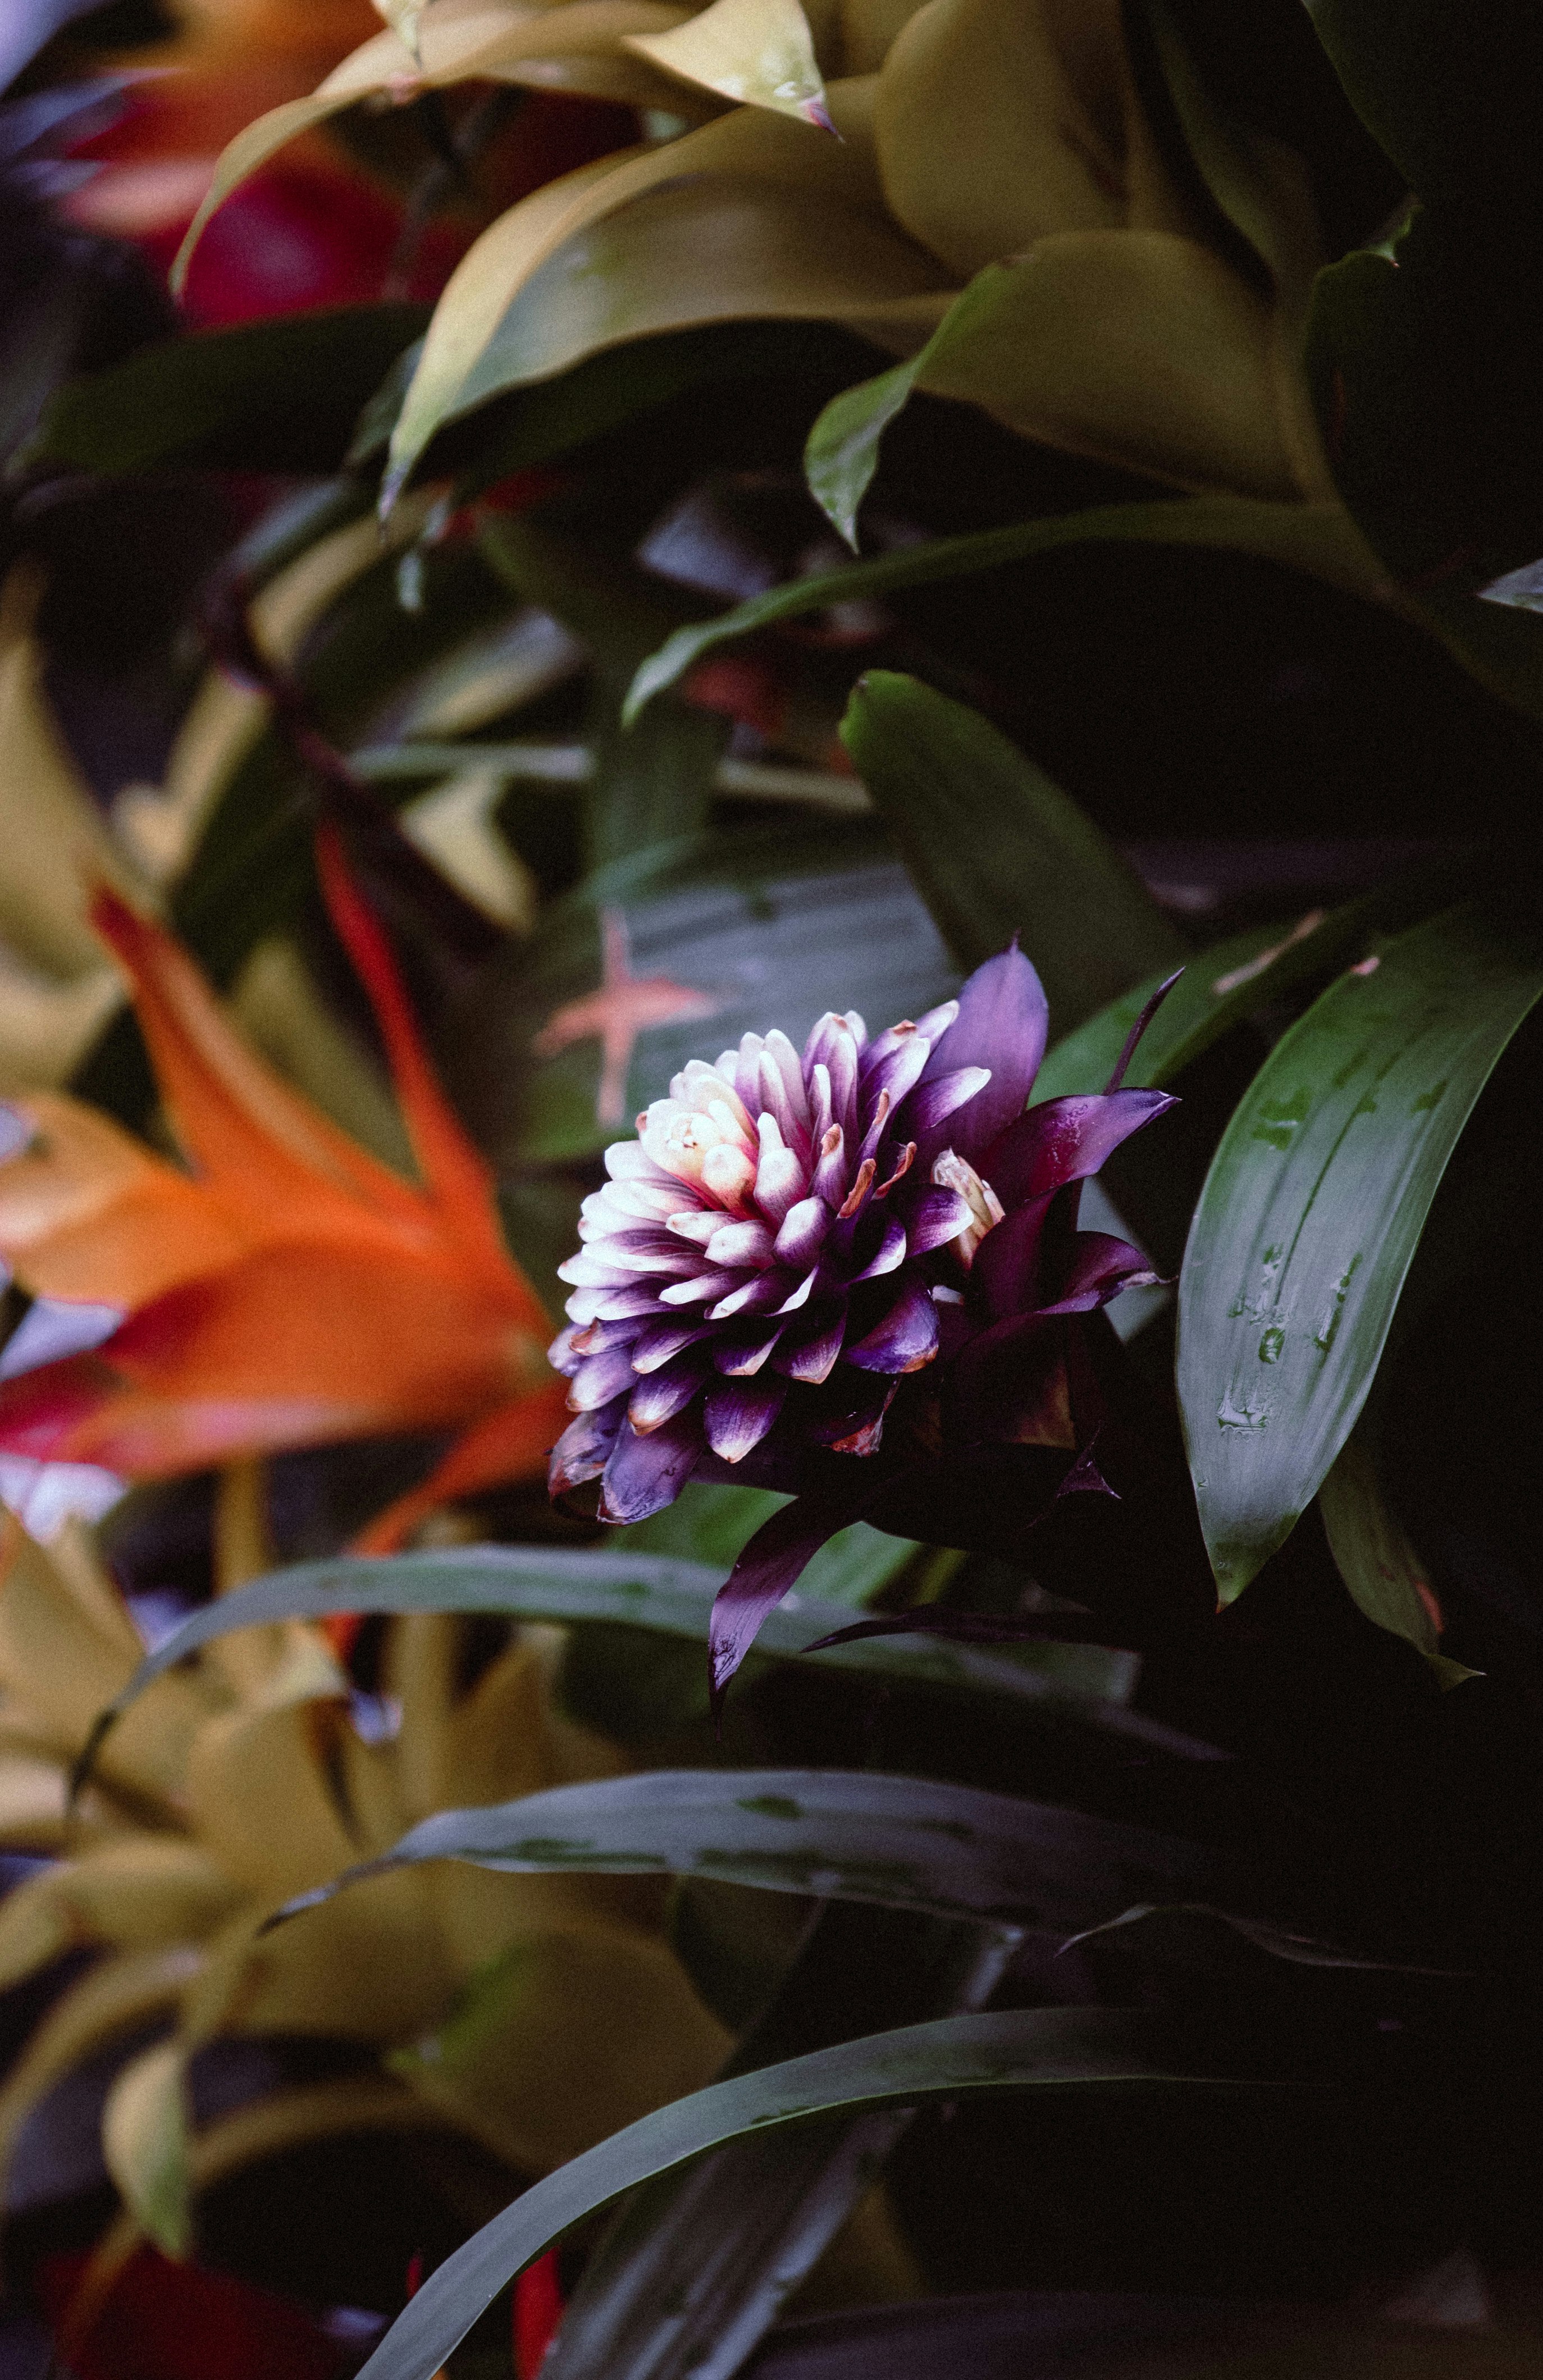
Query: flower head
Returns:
{"type": "Point", "coordinates": [288, 1288]}
{"type": "Point", "coordinates": [794, 1234]}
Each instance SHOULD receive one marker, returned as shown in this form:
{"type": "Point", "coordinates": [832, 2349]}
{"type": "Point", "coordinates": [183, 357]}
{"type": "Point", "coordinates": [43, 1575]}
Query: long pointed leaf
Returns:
{"type": "Point", "coordinates": [641, 1590]}
{"type": "Point", "coordinates": [1312, 1211]}
{"type": "Point", "coordinates": [951, 2059]}
{"type": "Point", "coordinates": [949, 1849]}
{"type": "Point", "coordinates": [698, 2264]}
{"type": "Point", "coordinates": [995, 849]}
{"type": "Point", "coordinates": [1385, 1575]}
{"type": "Point", "coordinates": [1218, 986]}
{"type": "Point", "coordinates": [1318, 538]}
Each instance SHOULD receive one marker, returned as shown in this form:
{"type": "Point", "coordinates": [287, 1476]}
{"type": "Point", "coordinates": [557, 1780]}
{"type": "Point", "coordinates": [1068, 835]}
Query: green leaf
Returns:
{"type": "Point", "coordinates": [997, 850]}
{"type": "Point", "coordinates": [1296, 1949]}
{"type": "Point", "coordinates": [699, 2261]}
{"type": "Point", "coordinates": [650, 786]}
{"type": "Point", "coordinates": [841, 453]}
{"type": "Point", "coordinates": [1385, 1575]}
{"type": "Point", "coordinates": [953, 2057]}
{"type": "Point", "coordinates": [1454, 97]}
{"type": "Point", "coordinates": [714, 1525]}
{"type": "Point", "coordinates": [1258, 186]}
{"type": "Point", "coordinates": [144, 2139]}
{"type": "Point", "coordinates": [947, 1851]}
{"type": "Point", "coordinates": [1218, 987]}
{"type": "Point", "coordinates": [252, 869]}
{"type": "Point", "coordinates": [990, 346]}
{"type": "Point", "coordinates": [641, 1590]}
{"type": "Point", "coordinates": [277, 395]}
{"type": "Point", "coordinates": [541, 419]}
{"type": "Point", "coordinates": [1312, 1211]}
{"type": "Point", "coordinates": [531, 419]}
{"type": "Point", "coordinates": [1317, 538]}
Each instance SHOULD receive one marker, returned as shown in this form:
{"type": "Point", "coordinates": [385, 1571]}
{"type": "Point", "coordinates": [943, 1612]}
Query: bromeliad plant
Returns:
{"type": "Point", "coordinates": [790, 1239]}
{"type": "Point", "coordinates": [530, 2019]}
{"type": "Point", "coordinates": [853, 1271]}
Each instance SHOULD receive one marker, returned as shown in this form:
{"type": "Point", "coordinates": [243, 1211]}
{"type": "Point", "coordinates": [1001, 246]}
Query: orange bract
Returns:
{"type": "Point", "coordinates": [288, 1288]}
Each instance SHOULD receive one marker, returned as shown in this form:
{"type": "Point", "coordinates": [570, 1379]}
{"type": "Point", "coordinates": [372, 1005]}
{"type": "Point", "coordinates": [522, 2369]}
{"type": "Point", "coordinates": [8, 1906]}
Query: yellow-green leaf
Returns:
{"type": "Point", "coordinates": [752, 144]}
{"type": "Point", "coordinates": [144, 2141]}
{"type": "Point", "coordinates": [759, 51]}
{"type": "Point", "coordinates": [403, 16]}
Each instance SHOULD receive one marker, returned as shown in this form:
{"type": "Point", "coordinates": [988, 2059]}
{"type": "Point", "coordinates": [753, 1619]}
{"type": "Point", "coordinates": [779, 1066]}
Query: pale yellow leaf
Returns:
{"type": "Point", "coordinates": [144, 2144]}
{"type": "Point", "coordinates": [1001, 121]}
{"type": "Point", "coordinates": [452, 825]}
{"type": "Point", "coordinates": [118, 1998]}
{"type": "Point", "coordinates": [564, 2039]}
{"type": "Point", "coordinates": [403, 16]}
{"type": "Point", "coordinates": [316, 2111]}
{"type": "Point", "coordinates": [34, 1794]}
{"type": "Point", "coordinates": [454, 40]}
{"type": "Point", "coordinates": [139, 1894]}
{"type": "Point", "coordinates": [867, 32]}
{"type": "Point", "coordinates": [758, 52]}
{"type": "Point", "coordinates": [371, 1965]}
{"type": "Point", "coordinates": [712, 250]}
{"type": "Point", "coordinates": [64, 1666]}
{"type": "Point", "coordinates": [46, 1028]}
{"type": "Point", "coordinates": [55, 842]}
{"type": "Point", "coordinates": [260, 1797]}
{"type": "Point", "coordinates": [751, 144]}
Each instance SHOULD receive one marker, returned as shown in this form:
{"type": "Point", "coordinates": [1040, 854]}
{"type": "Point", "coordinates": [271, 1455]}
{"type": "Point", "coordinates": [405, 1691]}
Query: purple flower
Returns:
{"type": "Point", "coordinates": [792, 1239]}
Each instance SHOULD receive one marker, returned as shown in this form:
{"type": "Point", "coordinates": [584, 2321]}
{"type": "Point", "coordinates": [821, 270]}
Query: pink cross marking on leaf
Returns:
{"type": "Point", "coordinates": [621, 1007]}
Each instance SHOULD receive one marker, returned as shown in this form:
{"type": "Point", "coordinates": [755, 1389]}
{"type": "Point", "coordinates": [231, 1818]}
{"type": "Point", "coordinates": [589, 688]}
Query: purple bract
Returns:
{"type": "Point", "coordinates": [791, 1235]}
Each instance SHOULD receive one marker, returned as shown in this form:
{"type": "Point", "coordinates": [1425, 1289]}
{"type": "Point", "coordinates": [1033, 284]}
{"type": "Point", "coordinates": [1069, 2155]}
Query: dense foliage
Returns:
{"type": "Point", "coordinates": [769, 941]}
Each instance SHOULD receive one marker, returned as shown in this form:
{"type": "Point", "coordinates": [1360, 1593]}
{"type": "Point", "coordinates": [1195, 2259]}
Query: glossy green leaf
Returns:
{"type": "Point", "coordinates": [1385, 1575]}
{"type": "Point", "coordinates": [947, 1851]}
{"type": "Point", "coordinates": [278, 396]}
{"type": "Point", "coordinates": [1317, 538]}
{"type": "Point", "coordinates": [1295, 1950]}
{"type": "Point", "coordinates": [714, 1525]}
{"type": "Point", "coordinates": [953, 2057]}
{"type": "Point", "coordinates": [842, 451]}
{"type": "Point", "coordinates": [1218, 986]}
{"type": "Point", "coordinates": [997, 850]}
{"type": "Point", "coordinates": [535, 419]}
{"type": "Point", "coordinates": [641, 1590]}
{"type": "Point", "coordinates": [1312, 1211]}
{"type": "Point", "coordinates": [698, 2264]}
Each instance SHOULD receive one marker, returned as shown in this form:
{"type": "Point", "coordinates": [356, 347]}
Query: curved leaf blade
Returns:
{"type": "Point", "coordinates": [997, 850]}
{"type": "Point", "coordinates": [1313, 1208]}
{"type": "Point", "coordinates": [1218, 987]}
{"type": "Point", "coordinates": [1385, 1575]}
{"type": "Point", "coordinates": [951, 2058]}
{"type": "Point", "coordinates": [841, 454]}
{"type": "Point", "coordinates": [949, 1851]}
{"type": "Point", "coordinates": [1318, 538]}
{"type": "Point", "coordinates": [638, 1590]}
